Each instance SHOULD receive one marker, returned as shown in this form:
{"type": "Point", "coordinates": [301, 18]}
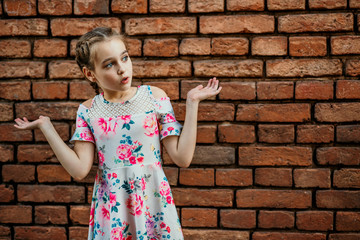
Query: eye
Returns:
{"type": "Point", "coordinates": [109, 65]}
{"type": "Point", "coordinates": [125, 58]}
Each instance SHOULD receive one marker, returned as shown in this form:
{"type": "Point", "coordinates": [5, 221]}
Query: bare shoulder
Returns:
{"type": "Point", "coordinates": [158, 92]}
{"type": "Point", "coordinates": [87, 103]}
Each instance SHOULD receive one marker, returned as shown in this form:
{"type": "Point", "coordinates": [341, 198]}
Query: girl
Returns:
{"type": "Point", "coordinates": [131, 196]}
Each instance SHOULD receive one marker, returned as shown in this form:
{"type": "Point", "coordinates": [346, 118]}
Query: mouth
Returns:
{"type": "Point", "coordinates": [125, 80]}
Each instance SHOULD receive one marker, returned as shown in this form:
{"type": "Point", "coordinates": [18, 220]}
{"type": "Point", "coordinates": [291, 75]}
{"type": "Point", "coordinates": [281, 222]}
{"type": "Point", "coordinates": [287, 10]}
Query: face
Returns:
{"type": "Point", "coordinates": [112, 65]}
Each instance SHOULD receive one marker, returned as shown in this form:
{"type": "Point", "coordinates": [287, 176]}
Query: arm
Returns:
{"type": "Point", "coordinates": [181, 148]}
{"type": "Point", "coordinates": [76, 162]}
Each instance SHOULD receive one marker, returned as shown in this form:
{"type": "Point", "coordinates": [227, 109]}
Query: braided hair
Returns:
{"type": "Point", "coordinates": [85, 54]}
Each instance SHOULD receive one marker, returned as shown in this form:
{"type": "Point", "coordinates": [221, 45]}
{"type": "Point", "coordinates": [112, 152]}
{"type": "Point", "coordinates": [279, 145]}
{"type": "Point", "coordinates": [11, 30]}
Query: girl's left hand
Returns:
{"type": "Point", "coordinates": [200, 92]}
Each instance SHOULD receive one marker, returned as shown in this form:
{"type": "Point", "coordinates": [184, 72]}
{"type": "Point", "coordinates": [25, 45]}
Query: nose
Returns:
{"type": "Point", "coordinates": [120, 70]}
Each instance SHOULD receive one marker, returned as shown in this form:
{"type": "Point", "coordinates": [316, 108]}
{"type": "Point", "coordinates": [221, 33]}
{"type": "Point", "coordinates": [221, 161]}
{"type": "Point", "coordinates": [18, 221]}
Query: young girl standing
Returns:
{"type": "Point", "coordinates": [131, 197]}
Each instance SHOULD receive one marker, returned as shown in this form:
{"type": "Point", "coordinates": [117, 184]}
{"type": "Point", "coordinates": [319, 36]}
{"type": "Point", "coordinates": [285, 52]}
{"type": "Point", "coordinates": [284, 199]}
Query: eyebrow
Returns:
{"type": "Point", "coordinates": [107, 59]}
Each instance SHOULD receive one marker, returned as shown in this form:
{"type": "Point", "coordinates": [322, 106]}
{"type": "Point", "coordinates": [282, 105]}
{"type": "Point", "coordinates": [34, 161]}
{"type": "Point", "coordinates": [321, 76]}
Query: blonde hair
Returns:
{"type": "Point", "coordinates": [84, 52]}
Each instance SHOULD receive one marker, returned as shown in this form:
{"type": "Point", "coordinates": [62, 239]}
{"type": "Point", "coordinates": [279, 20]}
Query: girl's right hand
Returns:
{"type": "Point", "coordinates": [24, 124]}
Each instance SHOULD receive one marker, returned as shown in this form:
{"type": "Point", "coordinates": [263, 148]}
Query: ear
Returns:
{"type": "Point", "coordinates": [89, 74]}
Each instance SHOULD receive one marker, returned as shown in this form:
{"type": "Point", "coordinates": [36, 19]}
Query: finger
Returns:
{"type": "Point", "coordinates": [25, 119]}
{"type": "Point", "coordinates": [19, 121]}
{"type": "Point", "coordinates": [213, 84]}
{"type": "Point", "coordinates": [209, 83]}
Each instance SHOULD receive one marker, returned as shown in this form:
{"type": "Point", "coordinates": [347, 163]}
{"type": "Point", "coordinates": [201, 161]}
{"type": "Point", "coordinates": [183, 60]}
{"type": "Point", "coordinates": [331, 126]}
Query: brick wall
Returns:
{"type": "Point", "coordinates": [277, 154]}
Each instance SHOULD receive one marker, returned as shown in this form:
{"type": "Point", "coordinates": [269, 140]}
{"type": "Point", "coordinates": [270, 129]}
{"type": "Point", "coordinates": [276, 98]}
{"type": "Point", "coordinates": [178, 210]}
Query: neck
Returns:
{"type": "Point", "coordinates": [120, 96]}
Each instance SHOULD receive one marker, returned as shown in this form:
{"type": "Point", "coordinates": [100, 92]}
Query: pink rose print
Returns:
{"type": "Point", "coordinates": [164, 188]}
{"type": "Point", "coordinates": [101, 158]}
{"type": "Point", "coordinates": [169, 118]}
{"type": "Point", "coordinates": [169, 200]}
{"type": "Point", "coordinates": [105, 213]}
{"type": "Point", "coordinates": [168, 229]}
{"type": "Point", "coordinates": [140, 159]}
{"type": "Point", "coordinates": [80, 122]}
{"type": "Point", "coordinates": [107, 126]}
{"type": "Point", "coordinates": [135, 204]}
{"type": "Point", "coordinates": [92, 213]}
{"type": "Point", "coordinates": [126, 119]}
{"type": "Point", "coordinates": [117, 233]}
{"type": "Point", "coordinates": [170, 129]}
{"type": "Point", "coordinates": [112, 199]}
{"type": "Point", "coordinates": [132, 160]}
{"type": "Point", "coordinates": [162, 225]}
{"type": "Point", "coordinates": [143, 184]}
{"type": "Point", "coordinates": [124, 151]}
{"type": "Point", "coordinates": [150, 125]}
{"type": "Point", "coordinates": [86, 135]}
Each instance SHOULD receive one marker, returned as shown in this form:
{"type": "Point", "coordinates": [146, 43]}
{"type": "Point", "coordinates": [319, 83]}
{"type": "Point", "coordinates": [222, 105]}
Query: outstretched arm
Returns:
{"type": "Point", "coordinates": [181, 148]}
{"type": "Point", "coordinates": [77, 162]}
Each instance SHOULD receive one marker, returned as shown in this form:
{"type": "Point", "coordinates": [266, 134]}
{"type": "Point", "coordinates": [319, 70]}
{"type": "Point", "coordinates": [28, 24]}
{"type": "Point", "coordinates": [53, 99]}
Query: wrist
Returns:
{"type": "Point", "coordinates": [44, 124]}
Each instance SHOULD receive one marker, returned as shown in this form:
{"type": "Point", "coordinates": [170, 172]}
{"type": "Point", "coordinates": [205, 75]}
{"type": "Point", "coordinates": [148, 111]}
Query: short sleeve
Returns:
{"type": "Point", "coordinates": [83, 130]}
{"type": "Point", "coordinates": [168, 125]}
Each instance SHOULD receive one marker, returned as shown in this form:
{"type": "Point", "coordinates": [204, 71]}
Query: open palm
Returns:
{"type": "Point", "coordinates": [200, 92]}
{"type": "Point", "coordinates": [24, 123]}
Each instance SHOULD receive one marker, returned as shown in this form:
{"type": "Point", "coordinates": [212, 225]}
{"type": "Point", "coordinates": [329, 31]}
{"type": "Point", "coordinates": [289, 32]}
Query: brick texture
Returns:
{"type": "Point", "coordinates": [277, 153]}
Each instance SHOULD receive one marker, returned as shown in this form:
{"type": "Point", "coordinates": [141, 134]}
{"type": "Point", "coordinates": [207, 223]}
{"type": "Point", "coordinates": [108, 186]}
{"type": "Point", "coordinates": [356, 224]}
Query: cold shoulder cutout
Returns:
{"type": "Point", "coordinates": [87, 103]}
{"type": "Point", "coordinates": [157, 92]}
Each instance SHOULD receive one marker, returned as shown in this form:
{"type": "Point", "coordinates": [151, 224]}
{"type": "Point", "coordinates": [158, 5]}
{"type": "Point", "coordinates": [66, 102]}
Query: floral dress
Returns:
{"type": "Point", "coordinates": [131, 197]}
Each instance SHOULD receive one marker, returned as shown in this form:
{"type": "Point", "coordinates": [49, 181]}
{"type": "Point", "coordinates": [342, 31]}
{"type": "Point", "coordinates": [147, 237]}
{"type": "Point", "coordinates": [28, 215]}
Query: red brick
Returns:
{"type": "Point", "coordinates": [15, 49]}
{"type": "Point", "coordinates": [167, 6]}
{"type": "Point", "coordinates": [329, 22]}
{"type": "Point", "coordinates": [55, 7]}
{"type": "Point", "coordinates": [15, 214]}
{"type": "Point", "coordinates": [311, 178]}
{"type": "Point", "coordinates": [160, 25]}
{"type": "Point", "coordinates": [286, 5]}
{"type": "Point", "coordinates": [124, 6]}
{"type": "Point", "coordinates": [345, 45]}
{"type": "Point", "coordinates": [287, 112]}
{"type": "Point", "coordinates": [338, 155]}
{"type": "Point", "coordinates": [254, 198]}
{"type": "Point", "coordinates": [243, 219]}
{"type": "Point", "coordinates": [199, 217]}
{"type": "Point", "coordinates": [347, 221]}
{"type": "Point", "coordinates": [20, 7]}
{"type": "Point", "coordinates": [81, 90]}
{"type": "Point", "coordinates": [6, 193]}
{"type": "Point", "coordinates": [269, 46]}
{"type": "Point", "coordinates": [50, 48]}
{"type": "Point", "coordinates": [54, 110]}
{"type": "Point", "coordinates": [288, 236]}
{"type": "Point", "coordinates": [352, 68]}
{"type": "Point", "coordinates": [279, 177]}
{"type": "Point", "coordinates": [35, 153]}
{"type": "Point", "coordinates": [172, 175]}
{"type": "Point", "coordinates": [92, 7]}
{"type": "Point", "coordinates": [303, 67]}
{"type": "Point", "coordinates": [158, 68]}
{"type": "Point", "coordinates": [61, 128]}
{"type": "Point", "coordinates": [237, 24]}
{"type": "Point", "coordinates": [64, 69]}
{"type": "Point", "coordinates": [347, 178]}
{"type": "Point", "coordinates": [348, 89]}
{"type": "Point", "coordinates": [18, 173]}
{"type": "Point", "coordinates": [6, 112]}
{"type": "Point", "coordinates": [314, 220]}
{"type": "Point", "coordinates": [47, 193]}
{"type": "Point", "coordinates": [78, 233]}
{"type": "Point", "coordinates": [5, 232]}
{"type": "Point", "coordinates": [326, 4]}
{"type": "Point", "coordinates": [30, 69]}
{"type": "Point", "coordinates": [15, 90]}
{"type": "Point", "coordinates": [36, 232]}
{"type": "Point", "coordinates": [203, 6]}
{"type": "Point", "coordinates": [354, 4]}
{"type": "Point", "coordinates": [206, 134]}
{"type": "Point", "coordinates": [234, 177]}
{"type": "Point", "coordinates": [6, 153]}
{"type": "Point", "coordinates": [24, 27]}
{"type": "Point", "coordinates": [11, 134]}
{"type": "Point", "coordinates": [319, 90]}
{"type": "Point", "coordinates": [308, 46]}
{"type": "Point", "coordinates": [79, 26]}
{"type": "Point", "coordinates": [348, 133]}
{"type": "Point", "coordinates": [337, 112]}
{"type": "Point", "coordinates": [187, 85]}
{"type": "Point", "coordinates": [52, 173]}
{"type": "Point", "coordinates": [203, 197]}
{"type": "Point", "coordinates": [214, 155]}
{"type": "Point", "coordinates": [275, 156]}
{"type": "Point", "coordinates": [133, 46]}
{"type": "Point", "coordinates": [51, 215]}
{"type": "Point", "coordinates": [80, 215]}
{"type": "Point", "coordinates": [276, 133]}
{"type": "Point", "coordinates": [234, 133]}
{"type": "Point", "coordinates": [228, 68]}
{"type": "Point", "coordinates": [50, 90]}
{"type": "Point", "coordinates": [171, 88]}
{"type": "Point", "coordinates": [276, 219]}
{"type": "Point", "coordinates": [245, 5]}
{"type": "Point", "coordinates": [275, 90]}
{"type": "Point", "coordinates": [229, 46]}
{"type": "Point", "coordinates": [161, 47]}
{"type": "Point", "coordinates": [208, 111]}
{"type": "Point", "coordinates": [344, 236]}
{"type": "Point", "coordinates": [315, 133]}
{"type": "Point", "coordinates": [237, 91]}
{"type": "Point", "coordinates": [199, 234]}
{"type": "Point", "coordinates": [337, 199]}
{"type": "Point", "coordinates": [89, 193]}
{"type": "Point", "coordinates": [195, 46]}
{"type": "Point", "coordinates": [197, 176]}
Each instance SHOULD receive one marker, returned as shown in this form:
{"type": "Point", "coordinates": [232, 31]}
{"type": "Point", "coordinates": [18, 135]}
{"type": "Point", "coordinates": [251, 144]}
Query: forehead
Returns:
{"type": "Point", "coordinates": [112, 47]}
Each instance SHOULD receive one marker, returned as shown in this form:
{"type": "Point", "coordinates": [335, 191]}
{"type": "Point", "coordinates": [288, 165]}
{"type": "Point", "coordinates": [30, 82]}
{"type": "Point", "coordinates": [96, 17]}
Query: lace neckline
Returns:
{"type": "Point", "coordinates": [120, 103]}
